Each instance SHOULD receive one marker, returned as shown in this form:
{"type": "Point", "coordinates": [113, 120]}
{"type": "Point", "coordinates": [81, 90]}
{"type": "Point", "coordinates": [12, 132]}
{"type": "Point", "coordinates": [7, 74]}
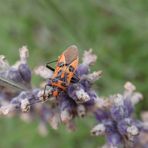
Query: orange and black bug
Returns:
{"type": "Point", "coordinates": [64, 73]}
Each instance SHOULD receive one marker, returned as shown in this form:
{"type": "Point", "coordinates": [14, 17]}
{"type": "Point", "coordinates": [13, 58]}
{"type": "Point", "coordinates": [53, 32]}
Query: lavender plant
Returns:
{"type": "Point", "coordinates": [114, 114]}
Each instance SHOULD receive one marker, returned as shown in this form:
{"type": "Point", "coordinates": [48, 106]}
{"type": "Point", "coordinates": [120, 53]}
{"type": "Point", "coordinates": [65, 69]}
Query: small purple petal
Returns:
{"type": "Point", "coordinates": [71, 90]}
{"type": "Point", "coordinates": [124, 124]}
{"type": "Point", "coordinates": [129, 106]}
{"type": "Point", "coordinates": [114, 139]}
{"type": "Point", "coordinates": [101, 115]}
{"type": "Point", "coordinates": [65, 102]}
{"type": "Point", "coordinates": [82, 69]}
{"type": "Point", "coordinates": [86, 84]}
{"type": "Point", "coordinates": [92, 94]}
{"type": "Point", "coordinates": [119, 112]}
{"type": "Point", "coordinates": [25, 72]}
{"type": "Point", "coordinates": [78, 93]}
{"type": "Point", "coordinates": [14, 75]}
{"type": "Point", "coordinates": [110, 126]}
{"type": "Point", "coordinates": [67, 108]}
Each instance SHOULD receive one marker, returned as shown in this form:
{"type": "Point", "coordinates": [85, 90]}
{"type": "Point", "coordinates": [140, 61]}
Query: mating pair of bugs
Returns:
{"type": "Point", "coordinates": [63, 74]}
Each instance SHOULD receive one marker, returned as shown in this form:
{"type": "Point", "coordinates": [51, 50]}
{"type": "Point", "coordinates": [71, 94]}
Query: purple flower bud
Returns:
{"type": "Point", "coordinates": [81, 96]}
{"type": "Point", "coordinates": [77, 93]}
{"type": "Point", "coordinates": [122, 126]}
{"type": "Point", "coordinates": [25, 72]}
{"type": "Point", "coordinates": [71, 90]}
{"type": "Point", "coordinates": [110, 126]}
{"type": "Point", "coordinates": [22, 100]}
{"type": "Point", "coordinates": [65, 102]}
{"type": "Point", "coordinates": [101, 115]}
{"type": "Point", "coordinates": [82, 69]}
{"type": "Point", "coordinates": [25, 98]}
{"type": "Point", "coordinates": [129, 106]}
{"type": "Point", "coordinates": [67, 107]}
{"type": "Point", "coordinates": [81, 111]}
{"type": "Point", "coordinates": [119, 112]}
{"type": "Point", "coordinates": [16, 102]}
{"type": "Point", "coordinates": [86, 84]}
{"type": "Point", "coordinates": [89, 103]}
{"type": "Point", "coordinates": [35, 92]}
{"type": "Point", "coordinates": [114, 139]}
{"type": "Point", "coordinates": [93, 96]}
{"type": "Point", "coordinates": [128, 126]}
{"type": "Point", "coordinates": [14, 75]}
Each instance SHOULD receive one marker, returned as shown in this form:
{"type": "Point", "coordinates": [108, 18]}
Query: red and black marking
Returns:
{"type": "Point", "coordinates": [64, 73]}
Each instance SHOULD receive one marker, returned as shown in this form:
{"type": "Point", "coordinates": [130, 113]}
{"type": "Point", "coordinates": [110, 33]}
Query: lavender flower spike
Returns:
{"type": "Point", "coordinates": [114, 114]}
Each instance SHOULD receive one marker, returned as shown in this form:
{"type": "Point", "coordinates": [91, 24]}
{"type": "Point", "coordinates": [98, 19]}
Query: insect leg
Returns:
{"type": "Point", "coordinates": [49, 67]}
{"type": "Point", "coordinates": [76, 77]}
{"type": "Point", "coordinates": [44, 94]}
{"type": "Point", "coordinates": [73, 80]}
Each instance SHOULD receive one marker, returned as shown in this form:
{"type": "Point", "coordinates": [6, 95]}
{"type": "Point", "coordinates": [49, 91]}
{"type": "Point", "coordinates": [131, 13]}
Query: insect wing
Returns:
{"type": "Point", "coordinates": [71, 54]}
{"type": "Point", "coordinates": [67, 63]}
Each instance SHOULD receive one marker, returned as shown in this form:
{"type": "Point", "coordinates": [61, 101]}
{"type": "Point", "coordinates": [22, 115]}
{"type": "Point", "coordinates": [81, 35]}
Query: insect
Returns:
{"type": "Point", "coordinates": [64, 72]}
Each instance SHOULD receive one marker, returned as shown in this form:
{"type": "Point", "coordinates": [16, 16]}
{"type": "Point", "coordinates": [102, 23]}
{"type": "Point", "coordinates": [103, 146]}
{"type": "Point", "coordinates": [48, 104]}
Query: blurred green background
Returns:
{"type": "Point", "coordinates": [117, 30]}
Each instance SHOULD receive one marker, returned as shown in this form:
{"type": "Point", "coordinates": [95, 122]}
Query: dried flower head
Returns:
{"type": "Point", "coordinates": [98, 130]}
{"type": "Point", "coordinates": [24, 54]}
{"type": "Point", "coordinates": [4, 65]}
{"type": "Point", "coordinates": [43, 72]}
{"type": "Point", "coordinates": [25, 105]}
{"type": "Point", "coordinates": [89, 58]}
{"type": "Point", "coordinates": [129, 87]}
